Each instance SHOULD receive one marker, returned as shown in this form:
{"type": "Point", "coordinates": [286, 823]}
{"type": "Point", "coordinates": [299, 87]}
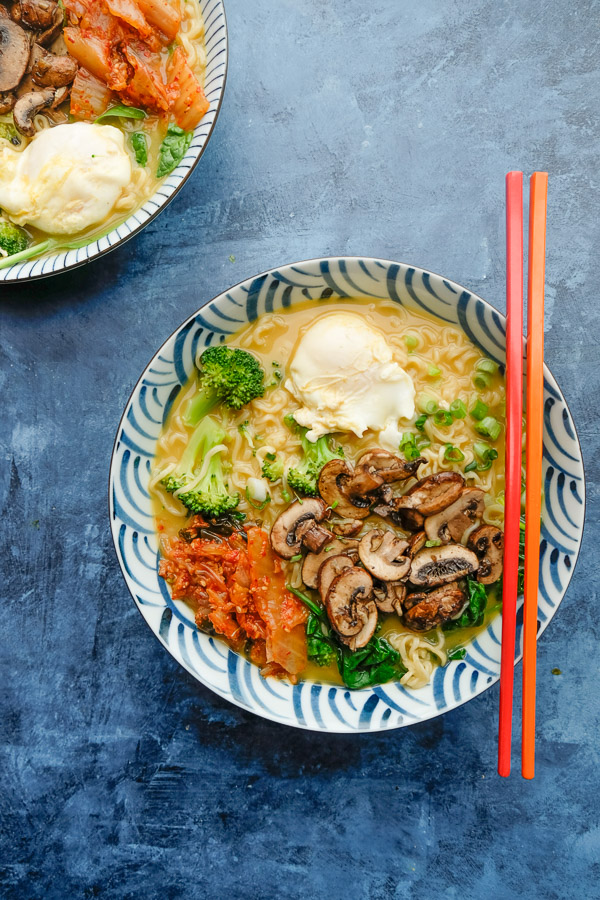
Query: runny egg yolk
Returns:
{"type": "Point", "coordinates": [68, 178]}
{"type": "Point", "coordinates": [345, 377]}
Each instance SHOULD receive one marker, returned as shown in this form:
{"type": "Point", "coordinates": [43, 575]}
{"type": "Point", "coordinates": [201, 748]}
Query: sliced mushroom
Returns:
{"type": "Point", "coordinates": [47, 37]}
{"type": "Point", "coordinates": [367, 631]}
{"type": "Point", "coordinates": [14, 54]}
{"type": "Point", "coordinates": [29, 105]}
{"type": "Point", "coordinates": [416, 543]}
{"type": "Point", "coordinates": [389, 596]}
{"type": "Point", "coordinates": [50, 70]}
{"type": "Point", "coordinates": [387, 466]}
{"type": "Point", "coordinates": [440, 565]}
{"type": "Point", "coordinates": [406, 518]}
{"type": "Point", "coordinates": [293, 525]}
{"type": "Point", "coordinates": [36, 14]}
{"type": "Point", "coordinates": [329, 570]}
{"type": "Point", "coordinates": [452, 522]}
{"type": "Point", "coordinates": [314, 537]}
{"type": "Point", "coordinates": [384, 555]}
{"type": "Point", "coordinates": [487, 542]}
{"type": "Point", "coordinates": [426, 611]}
{"type": "Point", "coordinates": [432, 494]}
{"type": "Point", "coordinates": [348, 598]}
{"type": "Point", "coordinates": [7, 101]}
{"type": "Point", "coordinates": [347, 527]}
{"type": "Point", "coordinates": [333, 482]}
{"type": "Point", "coordinates": [314, 561]}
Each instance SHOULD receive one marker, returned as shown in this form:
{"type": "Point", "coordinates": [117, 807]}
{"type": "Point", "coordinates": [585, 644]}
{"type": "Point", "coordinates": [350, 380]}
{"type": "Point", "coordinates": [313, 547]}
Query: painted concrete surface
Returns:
{"type": "Point", "coordinates": [380, 128]}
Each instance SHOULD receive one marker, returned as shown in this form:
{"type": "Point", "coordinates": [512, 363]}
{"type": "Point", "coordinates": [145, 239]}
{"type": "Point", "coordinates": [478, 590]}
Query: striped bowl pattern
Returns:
{"type": "Point", "coordinates": [311, 705]}
{"type": "Point", "coordinates": [213, 13]}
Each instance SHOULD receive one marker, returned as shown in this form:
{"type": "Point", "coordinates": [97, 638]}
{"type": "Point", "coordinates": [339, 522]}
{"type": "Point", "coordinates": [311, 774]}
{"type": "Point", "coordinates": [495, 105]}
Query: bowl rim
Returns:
{"type": "Point", "coordinates": [264, 713]}
{"type": "Point", "coordinates": [27, 279]}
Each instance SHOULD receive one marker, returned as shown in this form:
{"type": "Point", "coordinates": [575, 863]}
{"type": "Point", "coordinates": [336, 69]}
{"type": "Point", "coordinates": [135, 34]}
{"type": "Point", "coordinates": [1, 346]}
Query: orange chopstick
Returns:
{"type": "Point", "coordinates": [514, 434]}
{"type": "Point", "coordinates": [538, 192]}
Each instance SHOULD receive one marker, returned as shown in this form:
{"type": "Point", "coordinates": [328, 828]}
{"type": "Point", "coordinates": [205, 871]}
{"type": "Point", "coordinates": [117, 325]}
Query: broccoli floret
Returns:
{"type": "Point", "coordinates": [226, 375]}
{"type": "Point", "coordinates": [272, 467]}
{"type": "Point", "coordinates": [304, 479]}
{"type": "Point", "coordinates": [208, 495]}
{"type": "Point", "coordinates": [12, 238]}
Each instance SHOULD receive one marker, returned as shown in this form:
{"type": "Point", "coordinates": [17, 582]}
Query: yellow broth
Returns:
{"type": "Point", "coordinates": [273, 339]}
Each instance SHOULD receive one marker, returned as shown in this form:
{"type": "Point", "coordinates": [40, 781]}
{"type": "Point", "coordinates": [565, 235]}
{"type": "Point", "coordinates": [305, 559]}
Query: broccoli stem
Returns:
{"type": "Point", "coordinates": [201, 405]}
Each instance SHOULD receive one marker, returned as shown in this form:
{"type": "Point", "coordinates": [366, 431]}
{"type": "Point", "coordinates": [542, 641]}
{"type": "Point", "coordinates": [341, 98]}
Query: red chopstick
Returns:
{"type": "Point", "coordinates": [535, 436]}
{"type": "Point", "coordinates": [514, 434]}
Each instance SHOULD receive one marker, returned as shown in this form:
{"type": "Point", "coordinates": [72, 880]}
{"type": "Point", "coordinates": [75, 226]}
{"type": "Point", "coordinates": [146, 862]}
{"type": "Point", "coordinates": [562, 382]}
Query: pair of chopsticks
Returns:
{"type": "Point", "coordinates": [538, 190]}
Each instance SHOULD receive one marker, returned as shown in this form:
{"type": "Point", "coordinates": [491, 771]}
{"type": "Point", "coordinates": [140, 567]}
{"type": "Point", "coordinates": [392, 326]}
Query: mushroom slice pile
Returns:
{"type": "Point", "coordinates": [451, 523]}
{"type": "Point", "coordinates": [439, 565]}
{"type": "Point", "coordinates": [314, 561]}
{"type": "Point", "coordinates": [330, 570]}
{"type": "Point", "coordinates": [298, 525]}
{"type": "Point", "coordinates": [389, 596]}
{"type": "Point", "coordinates": [384, 555]}
{"type": "Point", "coordinates": [352, 491]}
{"type": "Point", "coordinates": [425, 611]}
{"type": "Point", "coordinates": [487, 542]}
{"type": "Point", "coordinates": [351, 608]}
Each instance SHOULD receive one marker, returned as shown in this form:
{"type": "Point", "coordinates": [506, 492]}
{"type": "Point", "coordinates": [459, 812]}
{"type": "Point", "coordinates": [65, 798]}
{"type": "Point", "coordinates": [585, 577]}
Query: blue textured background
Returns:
{"type": "Point", "coordinates": [381, 128]}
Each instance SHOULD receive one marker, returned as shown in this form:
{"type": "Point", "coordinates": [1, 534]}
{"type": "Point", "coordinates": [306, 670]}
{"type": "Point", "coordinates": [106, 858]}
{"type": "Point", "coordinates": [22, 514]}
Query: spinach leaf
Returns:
{"type": "Point", "coordinates": [139, 145]}
{"type": "Point", "coordinates": [123, 112]}
{"type": "Point", "coordinates": [320, 646]}
{"type": "Point", "coordinates": [457, 653]}
{"type": "Point", "coordinates": [173, 149]}
{"type": "Point", "coordinates": [376, 663]}
{"type": "Point", "coordinates": [473, 614]}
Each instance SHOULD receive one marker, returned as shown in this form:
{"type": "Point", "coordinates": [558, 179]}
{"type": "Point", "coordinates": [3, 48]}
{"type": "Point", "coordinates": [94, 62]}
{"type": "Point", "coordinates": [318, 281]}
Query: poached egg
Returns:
{"type": "Point", "coordinates": [68, 178]}
{"type": "Point", "coordinates": [344, 374]}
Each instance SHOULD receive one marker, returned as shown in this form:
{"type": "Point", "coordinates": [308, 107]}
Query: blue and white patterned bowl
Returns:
{"type": "Point", "coordinates": [215, 30]}
{"type": "Point", "coordinates": [322, 707]}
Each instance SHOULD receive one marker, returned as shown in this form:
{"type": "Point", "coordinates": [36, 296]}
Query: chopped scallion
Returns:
{"type": "Point", "coordinates": [426, 404]}
{"type": "Point", "coordinates": [488, 366]}
{"type": "Point", "coordinates": [296, 558]}
{"type": "Point", "coordinates": [434, 372]}
{"type": "Point", "coordinates": [286, 496]}
{"type": "Point", "coordinates": [453, 453]}
{"type": "Point", "coordinates": [471, 467]}
{"type": "Point", "coordinates": [490, 427]}
{"type": "Point", "coordinates": [420, 423]}
{"type": "Point", "coordinates": [479, 411]}
{"type": "Point", "coordinates": [458, 409]}
{"type": "Point", "coordinates": [433, 543]}
{"type": "Point", "coordinates": [443, 417]}
{"type": "Point", "coordinates": [411, 341]}
{"type": "Point", "coordinates": [481, 380]}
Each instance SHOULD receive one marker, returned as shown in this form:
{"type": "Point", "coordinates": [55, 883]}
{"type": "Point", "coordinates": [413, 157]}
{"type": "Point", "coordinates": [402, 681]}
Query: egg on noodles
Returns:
{"type": "Point", "coordinates": [98, 103]}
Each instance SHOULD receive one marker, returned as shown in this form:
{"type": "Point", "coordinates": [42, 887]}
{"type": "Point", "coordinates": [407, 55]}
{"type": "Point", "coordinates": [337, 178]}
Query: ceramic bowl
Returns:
{"type": "Point", "coordinates": [323, 707]}
{"type": "Point", "coordinates": [213, 13]}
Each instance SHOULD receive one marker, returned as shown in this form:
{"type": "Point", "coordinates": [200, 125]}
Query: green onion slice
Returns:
{"type": "Point", "coordinates": [488, 366]}
{"type": "Point", "coordinates": [443, 417]}
{"type": "Point", "coordinates": [453, 454]}
{"type": "Point", "coordinates": [458, 409]}
{"type": "Point", "coordinates": [479, 411]}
